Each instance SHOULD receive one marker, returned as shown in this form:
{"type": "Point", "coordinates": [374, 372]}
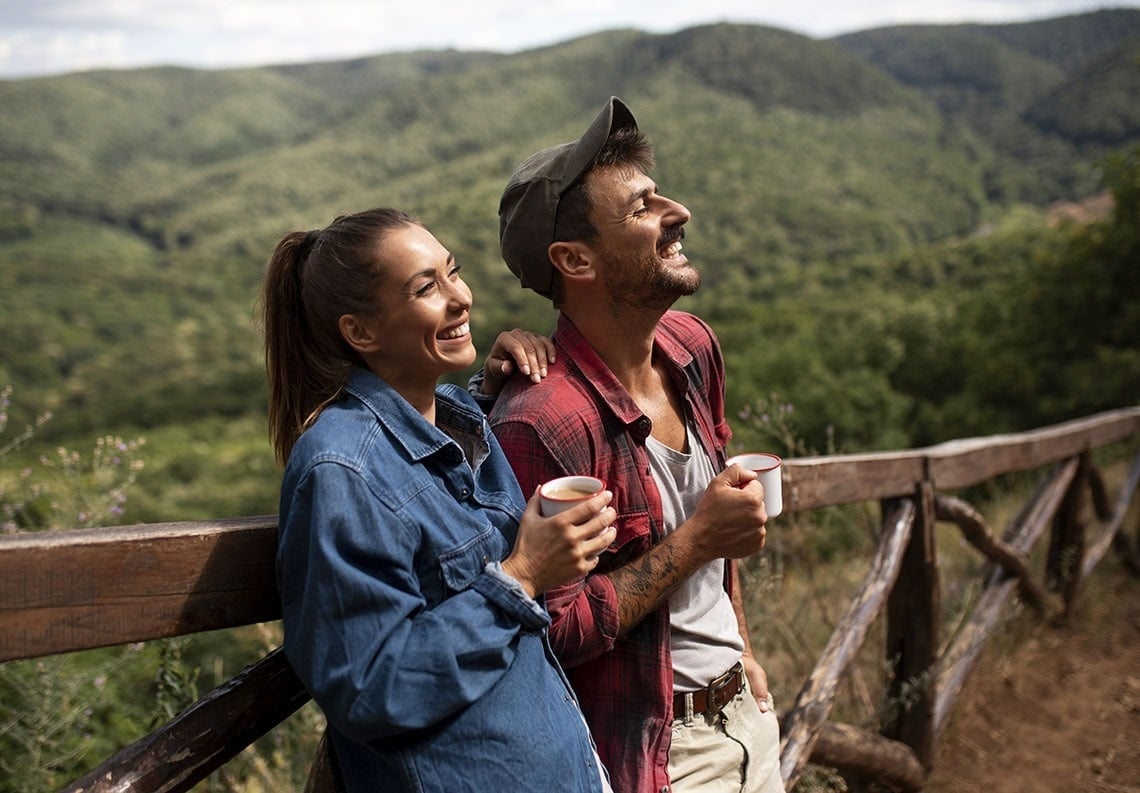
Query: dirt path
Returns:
{"type": "Point", "coordinates": [1060, 712]}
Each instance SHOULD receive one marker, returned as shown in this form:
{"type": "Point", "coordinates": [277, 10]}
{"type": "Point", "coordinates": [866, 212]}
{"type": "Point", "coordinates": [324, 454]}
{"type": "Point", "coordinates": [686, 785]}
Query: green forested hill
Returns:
{"type": "Point", "coordinates": [1098, 105]}
{"type": "Point", "coordinates": [1070, 42]}
{"type": "Point", "coordinates": [1026, 89]}
{"type": "Point", "coordinates": [837, 188]}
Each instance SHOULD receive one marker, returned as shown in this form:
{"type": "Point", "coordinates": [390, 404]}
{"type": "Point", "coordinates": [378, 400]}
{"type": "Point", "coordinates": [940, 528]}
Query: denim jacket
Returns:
{"type": "Point", "coordinates": [432, 666]}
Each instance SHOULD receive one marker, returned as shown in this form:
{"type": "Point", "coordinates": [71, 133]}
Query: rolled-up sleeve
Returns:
{"type": "Point", "coordinates": [584, 612]}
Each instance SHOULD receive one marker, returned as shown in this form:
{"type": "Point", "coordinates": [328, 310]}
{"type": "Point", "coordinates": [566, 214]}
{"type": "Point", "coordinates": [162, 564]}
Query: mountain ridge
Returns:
{"type": "Point", "coordinates": [801, 159]}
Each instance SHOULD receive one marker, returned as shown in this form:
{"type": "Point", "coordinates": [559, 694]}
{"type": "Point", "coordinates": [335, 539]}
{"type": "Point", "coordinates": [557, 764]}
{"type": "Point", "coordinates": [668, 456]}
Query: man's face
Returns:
{"type": "Point", "coordinates": [639, 240]}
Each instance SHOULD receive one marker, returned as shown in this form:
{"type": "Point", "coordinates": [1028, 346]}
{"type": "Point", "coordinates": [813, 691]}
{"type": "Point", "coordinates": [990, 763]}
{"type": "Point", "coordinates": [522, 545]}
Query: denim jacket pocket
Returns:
{"type": "Point", "coordinates": [462, 564]}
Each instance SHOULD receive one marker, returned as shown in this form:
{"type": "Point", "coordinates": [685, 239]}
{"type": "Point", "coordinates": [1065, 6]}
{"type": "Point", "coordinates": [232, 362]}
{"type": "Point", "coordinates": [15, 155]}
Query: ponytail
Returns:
{"type": "Point", "coordinates": [313, 278]}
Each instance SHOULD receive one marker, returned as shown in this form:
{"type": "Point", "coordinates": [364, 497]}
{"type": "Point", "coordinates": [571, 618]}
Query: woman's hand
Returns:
{"type": "Point", "coordinates": [521, 350]}
{"type": "Point", "coordinates": [550, 551]}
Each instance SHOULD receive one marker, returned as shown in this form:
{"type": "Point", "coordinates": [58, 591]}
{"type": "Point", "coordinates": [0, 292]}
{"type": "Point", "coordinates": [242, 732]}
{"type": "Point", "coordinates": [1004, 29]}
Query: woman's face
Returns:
{"type": "Point", "coordinates": [421, 329]}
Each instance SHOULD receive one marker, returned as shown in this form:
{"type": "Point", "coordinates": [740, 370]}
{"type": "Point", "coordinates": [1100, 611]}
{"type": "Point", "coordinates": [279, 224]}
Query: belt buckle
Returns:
{"type": "Point", "coordinates": [717, 687]}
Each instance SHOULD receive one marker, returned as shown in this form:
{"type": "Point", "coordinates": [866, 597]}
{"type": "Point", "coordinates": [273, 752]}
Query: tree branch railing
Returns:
{"type": "Point", "coordinates": [979, 534]}
{"type": "Point", "coordinates": [75, 590]}
{"type": "Point", "coordinates": [813, 704]}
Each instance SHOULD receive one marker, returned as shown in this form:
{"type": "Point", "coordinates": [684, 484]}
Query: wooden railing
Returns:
{"type": "Point", "coordinates": [74, 590]}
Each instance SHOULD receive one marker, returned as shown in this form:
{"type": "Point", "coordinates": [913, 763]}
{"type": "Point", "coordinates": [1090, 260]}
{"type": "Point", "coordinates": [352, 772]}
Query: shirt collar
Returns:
{"type": "Point", "coordinates": [605, 384]}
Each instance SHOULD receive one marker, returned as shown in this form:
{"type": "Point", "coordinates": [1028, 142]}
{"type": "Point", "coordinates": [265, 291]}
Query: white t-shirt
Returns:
{"type": "Point", "coordinates": [705, 637]}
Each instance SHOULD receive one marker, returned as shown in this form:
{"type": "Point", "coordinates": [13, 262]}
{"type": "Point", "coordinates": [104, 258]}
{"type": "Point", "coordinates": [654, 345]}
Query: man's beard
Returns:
{"type": "Point", "coordinates": [652, 284]}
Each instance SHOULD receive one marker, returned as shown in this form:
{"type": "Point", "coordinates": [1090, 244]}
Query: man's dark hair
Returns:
{"type": "Point", "coordinates": [625, 148]}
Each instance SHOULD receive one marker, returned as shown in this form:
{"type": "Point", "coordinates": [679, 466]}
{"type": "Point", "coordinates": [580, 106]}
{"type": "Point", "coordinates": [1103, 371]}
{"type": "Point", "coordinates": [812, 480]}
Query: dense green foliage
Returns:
{"type": "Point", "coordinates": [863, 212]}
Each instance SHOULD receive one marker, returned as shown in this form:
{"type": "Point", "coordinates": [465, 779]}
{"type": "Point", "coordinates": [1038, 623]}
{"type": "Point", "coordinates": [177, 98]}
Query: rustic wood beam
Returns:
{"type": "Point", "coordinates": [1067, 540]}
{"type": "Point", "coordinates": [204, 736]}
{"type": "Point", "coordinates": [913, 611]}
{"type": "Point", "coordinates": [814, 482]}
{"type": "Point", "coordinates": [1099, 493]}
{"type": "Point", "coordinates": [813, 704]}
{"type": "Point", "coordinates": [73, 590]}
{"type": "Point", "coordinates": [967, 462]}
{"type": "Point", "coordinates": [62, 591]}
{"type": "Point", "coordinates": [960, 657]}
{"type": "Point", "coordinates": [1024, 532]}
{"type": "Point", "coordinates": [324, 775]}
{"type": "Point", "coordinates": [868, 757]}
{"type": "Point", "coordinates": [977, 532]}
{"type": "Point", "coordinates": [1113, 533]}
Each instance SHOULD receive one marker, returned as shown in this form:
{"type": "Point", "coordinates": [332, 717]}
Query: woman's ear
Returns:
{"type": "Point", "coordinates": [360, 334]}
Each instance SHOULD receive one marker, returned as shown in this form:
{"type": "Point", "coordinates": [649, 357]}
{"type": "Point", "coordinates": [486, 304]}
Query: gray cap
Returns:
{"type": "Point", "coordinates": [529, 203]}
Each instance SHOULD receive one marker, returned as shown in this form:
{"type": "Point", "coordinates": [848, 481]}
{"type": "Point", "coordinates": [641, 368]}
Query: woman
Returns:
{"type": "Point", "coordinates": [409, 564]}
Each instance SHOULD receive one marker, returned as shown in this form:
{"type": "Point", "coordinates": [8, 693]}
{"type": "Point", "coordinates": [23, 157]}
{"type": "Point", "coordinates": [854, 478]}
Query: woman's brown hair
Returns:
{"type": "Point", "coordinates": [313, 278]}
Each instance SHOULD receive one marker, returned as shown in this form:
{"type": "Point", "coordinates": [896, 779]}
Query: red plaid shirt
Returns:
{"type": "Point", "coordinates": [581, 420]}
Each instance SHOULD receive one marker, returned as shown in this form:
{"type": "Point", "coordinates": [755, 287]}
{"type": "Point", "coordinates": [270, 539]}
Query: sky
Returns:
{"type": "Point", "coordinates": [43, 37]}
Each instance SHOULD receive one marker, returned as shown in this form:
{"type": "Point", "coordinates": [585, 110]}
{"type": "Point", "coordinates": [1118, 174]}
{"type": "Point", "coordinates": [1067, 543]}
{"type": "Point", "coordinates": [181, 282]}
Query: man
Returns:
{"type": "Point", "coordinates": [654, 639]}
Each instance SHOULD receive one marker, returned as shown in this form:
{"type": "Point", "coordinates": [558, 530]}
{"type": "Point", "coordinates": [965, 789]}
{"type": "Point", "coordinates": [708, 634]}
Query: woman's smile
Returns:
{"type": "Point", "coordinates": [455, 332]}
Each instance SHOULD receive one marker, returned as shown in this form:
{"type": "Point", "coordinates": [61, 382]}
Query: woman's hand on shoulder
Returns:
{"type": "Point", "coordinates": [516, 350]}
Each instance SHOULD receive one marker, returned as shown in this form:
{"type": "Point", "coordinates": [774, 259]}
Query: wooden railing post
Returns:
{"type": "Point", "coordinates": [912, 635]}
{"type": "Point", "coordinates": [1067, 539]}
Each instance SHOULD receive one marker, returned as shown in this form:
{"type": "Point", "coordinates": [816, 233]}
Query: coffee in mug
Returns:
{"type": "Point", "coordinates": [558, 495]}
{"type": "Point", "coordinates": [568, 494]}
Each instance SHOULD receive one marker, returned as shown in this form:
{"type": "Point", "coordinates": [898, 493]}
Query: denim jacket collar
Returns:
{"type": "Point", "coordinates": [456, 423]}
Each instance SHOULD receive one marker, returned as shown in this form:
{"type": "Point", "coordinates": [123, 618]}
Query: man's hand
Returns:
{"type": "Point", "coordinates": [729, 521]}
{"type": "Point", "coordinates": [757, 681]}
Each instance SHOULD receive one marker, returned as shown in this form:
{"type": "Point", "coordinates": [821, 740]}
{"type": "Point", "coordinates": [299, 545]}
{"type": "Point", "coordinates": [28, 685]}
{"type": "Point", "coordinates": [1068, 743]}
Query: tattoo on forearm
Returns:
{"type": "Point", "coordinates": [643, 584]}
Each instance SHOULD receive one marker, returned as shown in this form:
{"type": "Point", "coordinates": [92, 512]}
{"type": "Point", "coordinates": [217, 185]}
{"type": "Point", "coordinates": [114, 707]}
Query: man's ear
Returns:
{"type": "Point", "coordinates": [572, 259]}
{"type": "Point", "coordinates": [360, 334]}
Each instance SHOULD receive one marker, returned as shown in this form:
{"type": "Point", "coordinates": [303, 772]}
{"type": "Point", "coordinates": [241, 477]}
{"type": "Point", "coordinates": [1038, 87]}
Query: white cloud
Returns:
{"type": "Point", "coordinates": [50, 36]}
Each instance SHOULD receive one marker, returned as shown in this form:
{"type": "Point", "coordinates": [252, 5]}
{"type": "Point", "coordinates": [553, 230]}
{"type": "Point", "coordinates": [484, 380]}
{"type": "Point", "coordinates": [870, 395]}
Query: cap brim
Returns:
{"type": "Point", "coordinates": [613, 116]}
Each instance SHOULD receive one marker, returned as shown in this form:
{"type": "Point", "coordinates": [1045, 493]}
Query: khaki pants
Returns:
{"type": "Point", "coordinates": [735, 750]}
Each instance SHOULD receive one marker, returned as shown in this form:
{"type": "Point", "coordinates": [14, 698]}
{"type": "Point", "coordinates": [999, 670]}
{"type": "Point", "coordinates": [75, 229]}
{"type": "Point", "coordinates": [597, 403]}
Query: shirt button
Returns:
{"type": "Point", "coordinates": [464, 492]}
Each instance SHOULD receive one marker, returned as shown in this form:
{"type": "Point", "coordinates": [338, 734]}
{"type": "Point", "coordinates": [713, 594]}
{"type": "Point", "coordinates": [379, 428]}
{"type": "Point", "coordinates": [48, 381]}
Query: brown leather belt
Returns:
{"type": "Point", "coordinates": [714, 697]}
